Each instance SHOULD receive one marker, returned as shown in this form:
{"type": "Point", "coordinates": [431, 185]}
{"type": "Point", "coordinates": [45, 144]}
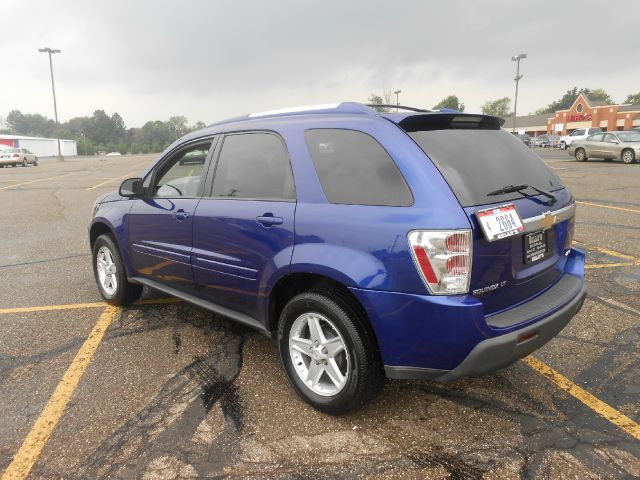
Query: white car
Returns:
{"type": "Point", "coordinates": [577, 134]}
{"type": "Point", "coordinates": [17, 156]}
{"type": "Point", "coordinates": [114, 154]}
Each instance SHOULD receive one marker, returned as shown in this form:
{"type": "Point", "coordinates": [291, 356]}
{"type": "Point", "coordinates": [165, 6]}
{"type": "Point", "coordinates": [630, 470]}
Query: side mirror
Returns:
{"type": "Point", "coordinates": [131, 188]}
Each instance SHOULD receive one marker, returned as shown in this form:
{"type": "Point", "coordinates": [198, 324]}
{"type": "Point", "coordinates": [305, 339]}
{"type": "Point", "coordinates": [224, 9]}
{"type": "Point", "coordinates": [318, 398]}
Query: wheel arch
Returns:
{"type": "Point", "coordinates": [97, 229]}
{"type": "Point", "coordinates": [294, 284]}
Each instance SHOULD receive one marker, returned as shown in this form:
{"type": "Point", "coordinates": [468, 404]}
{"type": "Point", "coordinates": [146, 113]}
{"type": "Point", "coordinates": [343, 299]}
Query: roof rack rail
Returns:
{"type": "Point", "coordinates": [401, 107]}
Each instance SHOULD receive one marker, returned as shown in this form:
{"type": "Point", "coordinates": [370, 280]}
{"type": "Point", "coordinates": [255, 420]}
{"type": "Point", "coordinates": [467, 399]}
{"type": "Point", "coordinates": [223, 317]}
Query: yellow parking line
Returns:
{"type": "Point", "coordinates": [126, 175]}
{"type": "Point", "coordinates": [39, 180]}
{"type": "Point", "coordinates": [608, 206]}
{"type": "Point", "coordinates": [30, 449]}
{"type": "Point", "coordinates": [612, 253]}
{"type": "Point", "coordinates": [46, 308]}
{"type": "Point", "coordinates": [611, 265]}
{"type": "Point", "coordinates": [71, 306]}
{"type": "Point", "coordinates": [604, 410]}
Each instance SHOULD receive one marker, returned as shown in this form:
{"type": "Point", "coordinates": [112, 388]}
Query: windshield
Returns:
{"type": "Point", "coordinates": [478, 162]}
{"type": "Point", "coordinates": [629, 136]}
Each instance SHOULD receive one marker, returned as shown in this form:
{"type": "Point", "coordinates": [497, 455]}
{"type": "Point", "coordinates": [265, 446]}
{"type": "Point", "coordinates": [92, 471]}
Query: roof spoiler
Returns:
{"type": "Point", "coordinates": [450, 121]}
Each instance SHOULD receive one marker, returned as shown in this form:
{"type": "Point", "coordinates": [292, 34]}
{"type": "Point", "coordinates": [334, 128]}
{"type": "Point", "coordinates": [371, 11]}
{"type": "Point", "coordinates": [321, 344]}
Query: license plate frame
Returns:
{"type": "Point", "coordinates": [500, 222]}
{"type": "Point", "coordinates": [535, 246]}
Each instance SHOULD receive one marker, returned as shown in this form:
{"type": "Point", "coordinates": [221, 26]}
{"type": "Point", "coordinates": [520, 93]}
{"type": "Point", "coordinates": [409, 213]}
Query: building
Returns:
{"type": "Point", "coordinates": [583, 113]}
{"type": "Point", "coordinates": [42, 147]}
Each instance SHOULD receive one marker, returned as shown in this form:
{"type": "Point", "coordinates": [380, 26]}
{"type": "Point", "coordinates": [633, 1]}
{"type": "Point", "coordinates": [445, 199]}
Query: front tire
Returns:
{"type": "Point", "coordinates": [563, 146]}
{"type": "Point", "coordinates": [24, 162]}
{"type": "Point", "coordinates": [580, 155]}
{"type": "Point", "coordinates": [110, 273]}
{"type": "Point", "coordinates": [327, 353]}
{"type": "Point", "coordinates": [35, 162]}
{"type": "Point", "coordinates": [628, 156]}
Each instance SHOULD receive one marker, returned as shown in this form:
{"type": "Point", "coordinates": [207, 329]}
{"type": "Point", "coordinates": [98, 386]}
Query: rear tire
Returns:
{"type": "Point", "coordinates": [35, 162]}
{"type": "Point", "coordinates": [628, 156]}
{"type": "Point", "coordinates": [580, 155]}
{"type": "Point", "coordinates": [337, 370]}
{"type": "Point", "coordinates": [563, 146]}
{"type": "Point", "coordinates": [110, 273]}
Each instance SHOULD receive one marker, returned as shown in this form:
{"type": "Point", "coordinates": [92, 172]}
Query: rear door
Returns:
{"type": "Point", "coordinates": [594, 145]}
{"type": "Point", "coordinates": [244, 228]}
{"type": "Point", "coordinates": [478, 162]}
{"type": "Point", "coordinates": [161, 224]}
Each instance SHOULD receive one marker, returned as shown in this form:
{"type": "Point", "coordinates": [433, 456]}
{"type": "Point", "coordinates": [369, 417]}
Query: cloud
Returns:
{"type": "Point", "coordinates": [213, 59]}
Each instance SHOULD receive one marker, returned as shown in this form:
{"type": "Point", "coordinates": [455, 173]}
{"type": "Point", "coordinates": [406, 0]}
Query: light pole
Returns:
{"type": "Point", "coordinates": [397, 92]}
{"type": "Point", "coordinates": [84, 141]}
{"type": "Point", "coordinates": [51, 51]}
{"type": "Point", "coordinates": [517, 58]}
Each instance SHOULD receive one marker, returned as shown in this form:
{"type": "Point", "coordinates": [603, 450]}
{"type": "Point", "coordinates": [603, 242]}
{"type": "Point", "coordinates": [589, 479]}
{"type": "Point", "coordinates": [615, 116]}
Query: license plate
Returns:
{"type": "Point", "coordinates": [500, 222]}
{"type": "Point", "coordinates": [535, 246]}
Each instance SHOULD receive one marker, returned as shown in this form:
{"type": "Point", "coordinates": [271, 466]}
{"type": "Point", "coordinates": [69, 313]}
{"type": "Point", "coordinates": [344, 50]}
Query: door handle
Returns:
{"type": "Point", "coordinates": [180, 215]}
{"type": "Point", "coordinates": [268, 220]}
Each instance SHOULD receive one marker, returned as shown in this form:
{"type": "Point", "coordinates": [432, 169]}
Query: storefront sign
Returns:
{"type": "Point", "coordinates": [579, 118]}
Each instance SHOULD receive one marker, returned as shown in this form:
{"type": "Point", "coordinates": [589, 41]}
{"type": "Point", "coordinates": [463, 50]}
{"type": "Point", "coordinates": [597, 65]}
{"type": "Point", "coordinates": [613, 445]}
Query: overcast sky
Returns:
{"type": "Point", "coordinates": [210, 60]}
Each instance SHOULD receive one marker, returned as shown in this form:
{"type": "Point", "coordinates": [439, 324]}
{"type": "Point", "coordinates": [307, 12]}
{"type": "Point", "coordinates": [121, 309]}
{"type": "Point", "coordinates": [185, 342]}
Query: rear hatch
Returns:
{"type": "Point", "coordinates": [477, 158]}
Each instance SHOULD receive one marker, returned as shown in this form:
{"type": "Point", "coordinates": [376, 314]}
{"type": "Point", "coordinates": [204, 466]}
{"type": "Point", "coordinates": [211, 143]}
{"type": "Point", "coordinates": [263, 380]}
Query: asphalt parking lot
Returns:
{"type": "Point", "coordinates": [163, 390]}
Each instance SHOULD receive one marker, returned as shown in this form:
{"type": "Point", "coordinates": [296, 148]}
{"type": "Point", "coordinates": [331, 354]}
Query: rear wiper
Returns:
{"type": "Point", "coordinates": [524, 186]}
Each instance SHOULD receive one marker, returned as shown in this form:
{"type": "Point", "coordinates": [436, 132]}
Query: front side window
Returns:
{"type": "Point", "coordinates": [181, 175]}
{"type": "Point", "coordinates": [610, 138]}
{"type": "Point", "coordinates": [254, 166]}
{"type": "Point", "coordinates": [596, 138]}
{"type": "Point", "coordinates": [354, 169]}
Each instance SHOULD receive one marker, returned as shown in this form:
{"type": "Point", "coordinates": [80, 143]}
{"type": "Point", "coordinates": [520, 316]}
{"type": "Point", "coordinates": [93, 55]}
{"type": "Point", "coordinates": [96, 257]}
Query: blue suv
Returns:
{"type": "Point", "coordinates": [372, 245]}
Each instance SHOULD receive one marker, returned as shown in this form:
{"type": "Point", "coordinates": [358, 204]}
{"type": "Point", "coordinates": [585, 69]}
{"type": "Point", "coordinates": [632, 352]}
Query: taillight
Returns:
{"type": "Point", "coordinates": [15, 155]}
{"type": "Point", "coordinates": [443, 259]}
{"type": "Point", "coordinates": [571, 226]}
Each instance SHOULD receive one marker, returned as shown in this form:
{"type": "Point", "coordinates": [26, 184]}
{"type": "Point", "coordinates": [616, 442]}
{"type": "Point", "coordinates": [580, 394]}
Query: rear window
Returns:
{"type": "Point", "coordinates": [354, 169]}
{"type": "Point", "coordinates": [477, 162]}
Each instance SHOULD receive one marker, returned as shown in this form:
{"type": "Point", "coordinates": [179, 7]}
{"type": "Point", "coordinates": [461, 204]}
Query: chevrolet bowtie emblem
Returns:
{"type": "Point", "coordinates": [548, 221]}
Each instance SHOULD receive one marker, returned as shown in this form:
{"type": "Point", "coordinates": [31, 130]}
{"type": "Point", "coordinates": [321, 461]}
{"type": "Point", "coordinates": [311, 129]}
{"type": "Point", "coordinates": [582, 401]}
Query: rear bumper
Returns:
{"type": "Point", "coordinates": [499, 352]}
{"type": "Point", "coordinates": [427, 337]}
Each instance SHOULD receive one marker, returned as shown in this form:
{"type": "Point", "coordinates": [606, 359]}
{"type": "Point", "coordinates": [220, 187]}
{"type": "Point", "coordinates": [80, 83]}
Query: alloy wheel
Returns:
{"type": "Point", "coordinates": [107, 271]}
{"type": "Point", "coordinates": [318, 353]}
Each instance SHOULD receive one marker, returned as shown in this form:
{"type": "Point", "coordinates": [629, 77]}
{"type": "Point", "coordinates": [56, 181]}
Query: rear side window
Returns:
{"type": "Point", "coordinates": [478, 162]}
{"type": "Point", "coordinates": [254, 166]}
{"type": "Point", "coordinates": [354, 169]}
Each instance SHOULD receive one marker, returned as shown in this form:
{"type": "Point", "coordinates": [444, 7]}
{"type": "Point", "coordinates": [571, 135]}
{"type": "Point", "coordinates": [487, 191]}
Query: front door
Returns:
{"type": "Point", "coordinates": [244, 229]}
{"type": "Point", "coordinates": [161, 223]}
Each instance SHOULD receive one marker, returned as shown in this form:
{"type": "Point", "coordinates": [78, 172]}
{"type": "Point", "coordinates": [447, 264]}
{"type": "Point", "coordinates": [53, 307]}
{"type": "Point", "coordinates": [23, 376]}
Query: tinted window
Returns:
{"type": "Point", "coordinates": [594, 130]}
{"type": "Point", "coordinates": [254, 166]}
{"type": "Point", "coordinates": [354, 169]}
{"type": "Point", "coordinates": [477, 162]}
{"type": "Point", "coordinates": [181, 175]}
{"type": "Point", "coordinates": [596, 138]}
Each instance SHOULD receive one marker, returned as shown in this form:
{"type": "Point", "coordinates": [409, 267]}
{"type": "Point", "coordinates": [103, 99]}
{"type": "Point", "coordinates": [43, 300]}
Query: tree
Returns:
{"type": "Point", "coordinates": [498, 108]}
{"type": "Point", "coordinates": [634, 98]}
{"type": "Point", "coordinates": [377, 99]}
{"type": "Point", "coordinates": [178, 126]}
{"type": "Point", "coordinates": [565, 102]}
{"type": "Point", "coordinates": [452, 102]}
{"type": "Point", "coordinates": [199, 125]}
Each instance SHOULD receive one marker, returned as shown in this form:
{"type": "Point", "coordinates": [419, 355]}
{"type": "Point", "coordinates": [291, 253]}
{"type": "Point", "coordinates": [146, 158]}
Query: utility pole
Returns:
{"type": "Point", "coordinates": [51, 51]}
{"type": "Point", "coordinates": [397, 92]}
{"type": "Point", "coordinates": [517, 58]}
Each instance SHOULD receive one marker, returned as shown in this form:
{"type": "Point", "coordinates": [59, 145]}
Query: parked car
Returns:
{"type": "Point", "coordinates": [114, 154]}
{"type": "Point", "coordinates": [367, 243]}
{"type": "Point", "coordinates": [554, 141]}
{"type": "Point", "coordinates": [577, 134]}
{"type": "Point", "coordinates": [17, 156]}
{"type": "Point", "coordinates": [524, 138]}
{"type": "Point", "coordinates": [536, 142]}
{"type": "Point", "coordinates": [609, 146]}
